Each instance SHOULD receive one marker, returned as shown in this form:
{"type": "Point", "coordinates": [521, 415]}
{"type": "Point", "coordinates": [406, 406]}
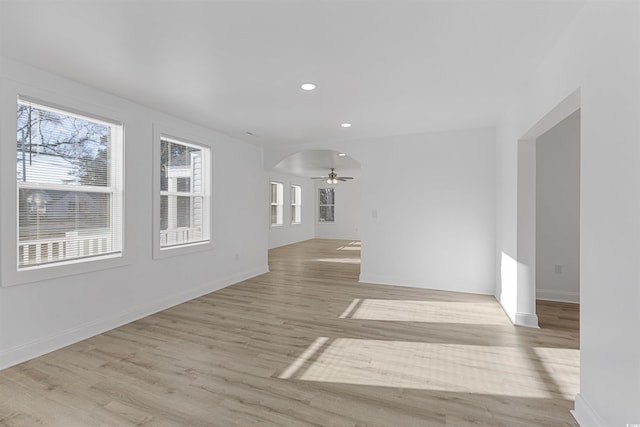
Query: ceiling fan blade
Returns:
{"type": "Point", "coordinates": [333, 175]}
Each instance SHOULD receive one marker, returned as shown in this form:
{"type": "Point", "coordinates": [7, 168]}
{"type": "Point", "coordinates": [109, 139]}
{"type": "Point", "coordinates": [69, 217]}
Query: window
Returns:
{"type": "Point", "coordinates": [184, 193]}
{"type": "Point", "coordinates": [296, 204]}
{"type": "Point", "coordinates": [69, 185]}
{"type": "Point", "coordinates": [326, 204]}
{"type": "Point", "coordinates": [277, 204]}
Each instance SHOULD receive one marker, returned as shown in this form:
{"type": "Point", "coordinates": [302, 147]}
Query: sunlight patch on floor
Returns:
{"type": "Point", "coordinates": [491, 370]}
{"type": "Point", "coordinates": [348, 312]}
{"type": "Point", "coordinates": [304, 357]}
{"type": "Point", "coordinates": [425, 311]}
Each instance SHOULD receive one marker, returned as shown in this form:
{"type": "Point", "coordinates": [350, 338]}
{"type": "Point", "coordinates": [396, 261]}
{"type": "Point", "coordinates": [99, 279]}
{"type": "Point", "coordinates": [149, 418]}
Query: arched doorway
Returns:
{"type": "Point", "coordinates": [314, 206]}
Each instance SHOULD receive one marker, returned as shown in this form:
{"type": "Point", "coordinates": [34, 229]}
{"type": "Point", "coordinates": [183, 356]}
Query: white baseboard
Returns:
{"type": "Point", "coordinates": [287, 242]}
{"type": "Point", "coordinates": [559, 296]}
{"type": "Point", "coordinates": [391, 281]}
{"type": "Point", "coordinates": [526, 319]}
{"type": "Point", "coordinates": [35, 348]}
{"type": "Point", "coordinates": [584, 413]}
{"type": "Point", "coordinates": [518, 318]}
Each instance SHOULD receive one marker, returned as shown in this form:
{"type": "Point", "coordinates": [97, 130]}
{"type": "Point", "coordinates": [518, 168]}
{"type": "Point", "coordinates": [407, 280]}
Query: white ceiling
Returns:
{"type": "Point", "coordinates": [388, 66]}
{"type": "Point", "coordinates": [309, 163]}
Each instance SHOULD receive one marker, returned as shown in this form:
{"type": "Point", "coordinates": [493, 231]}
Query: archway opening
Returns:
{"type": "Point", "coordinates": [319, 191]}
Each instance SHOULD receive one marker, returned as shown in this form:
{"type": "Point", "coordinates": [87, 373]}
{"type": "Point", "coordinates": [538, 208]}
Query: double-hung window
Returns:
{"type": "Point", "coordinates": [277, 203]}
{"type": "Point", "coordinates": [69, 186]}
{"type": "Point", "coordinates": [296, 204]}
{"type": "Point", "coordinates": [326, 204]}
{"type": "Point", "coordinates": [184, 193]}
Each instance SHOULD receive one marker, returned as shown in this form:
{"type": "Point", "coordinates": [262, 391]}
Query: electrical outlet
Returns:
{"type": "Point", "coordinates": [557, 269]}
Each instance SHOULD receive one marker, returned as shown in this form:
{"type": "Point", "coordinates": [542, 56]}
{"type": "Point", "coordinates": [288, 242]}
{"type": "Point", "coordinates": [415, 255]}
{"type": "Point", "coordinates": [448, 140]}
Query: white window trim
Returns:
{"type": "Point", "coordinates": [10, 274]}
{"type": "Point", "coordinates": [161, 131]}
{"type": "Point", "coordinates": [299, 205]}
{"type": "Point", "coordinates": [281, 204]}
{"type": "Point", "coordinates": [203, 194]}
{"type": "Point", "coordinates": [318, 210]}
{"type": "Point", "coordinates": [114, 189]}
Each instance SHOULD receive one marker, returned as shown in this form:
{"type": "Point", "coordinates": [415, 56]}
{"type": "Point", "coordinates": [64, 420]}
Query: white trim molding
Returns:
{"type": "Point", "coordinates": [559, 296]}
{"type": "Point", "coordinates": [39, 347]}
{"type": "Point", "coordinates": [584, 413]}
{"type": "Point", "coordinates": [412, 282]}
{"type": "Point", "coordinates": [526, 319]}
{"type": "Point", "coordinates": [206, 241]}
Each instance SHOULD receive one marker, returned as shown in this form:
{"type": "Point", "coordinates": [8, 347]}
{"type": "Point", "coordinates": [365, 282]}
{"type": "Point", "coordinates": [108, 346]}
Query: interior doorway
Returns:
{"type": "Point", "coordinates": [549, 210]}
{"type": "Point", "coordinates": [329, 183]}
{"type": "Point", "coordinates": [558, 212]}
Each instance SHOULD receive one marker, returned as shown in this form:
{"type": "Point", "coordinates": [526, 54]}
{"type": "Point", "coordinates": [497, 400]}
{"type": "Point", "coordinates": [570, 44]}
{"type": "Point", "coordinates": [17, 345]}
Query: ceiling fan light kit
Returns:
{"type": "Point", "coordinates": [333, 177]}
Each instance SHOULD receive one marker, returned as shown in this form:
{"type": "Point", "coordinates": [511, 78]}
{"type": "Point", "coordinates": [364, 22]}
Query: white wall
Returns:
{"type": "Point", "coordinates": [426, 208]}
{"type": "Point", "coordinates": [288, 233]}
{"type": "Point", "coordinates": [41, 316]}
{"type": "Point", "coordinates": [558, 212]}
{"type": "Point", "coordinates": [347, 212]}
{"type": "Point", "coordinates": [526, 271]}
{"type": "Point", "coordinates": [599, 54]}
{"type": "Point", "coordinates": [429, 210]}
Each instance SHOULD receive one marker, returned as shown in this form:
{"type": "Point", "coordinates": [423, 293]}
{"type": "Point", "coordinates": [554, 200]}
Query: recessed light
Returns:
{"type": "Point", "coordinates": [307, 86]}
{"type": "Point", "coordinates": [346, 125]}
{"type": "Point", "coordinates": [341, 154]}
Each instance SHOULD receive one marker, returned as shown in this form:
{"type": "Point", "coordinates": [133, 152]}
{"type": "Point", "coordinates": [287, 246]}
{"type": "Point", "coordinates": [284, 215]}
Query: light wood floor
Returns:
{"type": "Point", "coordinates": [308, 345]}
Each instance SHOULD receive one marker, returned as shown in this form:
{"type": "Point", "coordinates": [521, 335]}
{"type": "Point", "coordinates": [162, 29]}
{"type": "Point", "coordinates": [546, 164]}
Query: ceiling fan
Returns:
{"type": "Point", "coordinates": [333, 177]}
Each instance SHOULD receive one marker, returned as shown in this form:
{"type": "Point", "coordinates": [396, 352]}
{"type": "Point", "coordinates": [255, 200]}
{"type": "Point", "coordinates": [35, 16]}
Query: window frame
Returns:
{"type": "Point", "coordinates": [164, 132]}
{"type": "Point", "coordinates": [10, 274]}
{"type": "Point", "coordinates": [296, 203]}
{"type": "Point", "coordinates": [332, 205]}
{"type": "Point", "coordinates": [279, 204]}
{"type": "Point", "coordinates": [114, 189]}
